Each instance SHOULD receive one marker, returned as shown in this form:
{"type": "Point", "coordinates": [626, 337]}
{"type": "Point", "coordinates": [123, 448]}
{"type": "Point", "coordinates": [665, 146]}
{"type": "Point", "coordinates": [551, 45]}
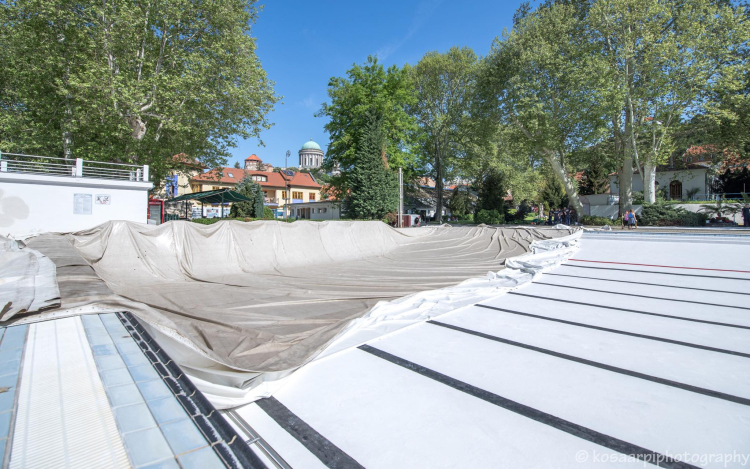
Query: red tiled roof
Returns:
{"type": "Point", "coordinates": [274, 179]}
{"type": "Point", "coordinates": [253, 158]}
{"type": "Point", "coordinates": [303, 180]}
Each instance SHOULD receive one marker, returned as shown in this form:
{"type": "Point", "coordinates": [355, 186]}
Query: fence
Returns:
{"type": "Point", "coordinates": [66, 167]}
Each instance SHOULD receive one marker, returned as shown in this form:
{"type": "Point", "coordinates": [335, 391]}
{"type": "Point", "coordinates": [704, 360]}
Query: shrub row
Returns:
{"type": "Point", "coordinates": [661, 214]}
{"type": "Point", "coordinates": [598, 221]}
{"type": "Point", "coordinates": [490, 217]}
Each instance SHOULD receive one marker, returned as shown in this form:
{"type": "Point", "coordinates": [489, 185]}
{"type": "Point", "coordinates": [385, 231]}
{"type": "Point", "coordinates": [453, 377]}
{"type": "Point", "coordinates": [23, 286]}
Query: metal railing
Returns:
{"type": "Point", "coordinates": [68, 167]}
{"type": "Point", "coordinates": [715, 196]}
{"type": "Point", "coordinates": [271, 200]}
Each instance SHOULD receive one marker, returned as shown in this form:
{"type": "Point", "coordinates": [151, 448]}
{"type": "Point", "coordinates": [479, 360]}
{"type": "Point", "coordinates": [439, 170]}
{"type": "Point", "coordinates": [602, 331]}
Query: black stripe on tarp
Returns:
{"type": "Point", "coordinates": [615, 308]}
{"type": "Point", "coordinates": [558, 423]}
{"type": "Point", "coordinates": [616, 331]}
{"type": "Point", "coordinates": [328, 453]}
{"type": "Point", "coordinates": [640, 296]}
{"type": "Point", "coordinates": [652, 272]}
{"type": "Point", "coordinates": [647, 283]}
{"type": "Point", "coordinates": [603, 366]}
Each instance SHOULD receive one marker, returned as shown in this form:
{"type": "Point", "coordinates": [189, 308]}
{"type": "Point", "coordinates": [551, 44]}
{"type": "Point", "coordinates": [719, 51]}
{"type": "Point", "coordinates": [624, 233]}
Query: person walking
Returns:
{"type": "Point", "coordinates": [631, 220]}
{"type": "Point", "coordinates": [625, 220]}
{"type": "Point", "coordinates": [746, 215]}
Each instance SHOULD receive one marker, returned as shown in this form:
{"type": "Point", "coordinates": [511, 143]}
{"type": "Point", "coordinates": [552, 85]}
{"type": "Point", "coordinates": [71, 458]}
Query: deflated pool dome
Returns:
{"type": "Point", "coordinates": [266, 296]}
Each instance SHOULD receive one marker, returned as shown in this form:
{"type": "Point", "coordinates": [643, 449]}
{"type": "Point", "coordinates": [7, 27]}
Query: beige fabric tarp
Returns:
{"type": "Point", "coordinates": [266, 296]}
{"type": "Point", "coordinates": [27, 280]}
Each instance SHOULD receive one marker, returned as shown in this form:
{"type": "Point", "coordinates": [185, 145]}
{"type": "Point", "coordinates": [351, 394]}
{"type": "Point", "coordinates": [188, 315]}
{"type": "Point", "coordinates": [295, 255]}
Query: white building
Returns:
{"type": "Point", "coordinates": [322, 210]}
{"type": "Point", "coordinates": [677, 183]}
{"type": "Point", "coordinates": [311, 156]}
{"type": "Point", "coordinates": [44, 194]}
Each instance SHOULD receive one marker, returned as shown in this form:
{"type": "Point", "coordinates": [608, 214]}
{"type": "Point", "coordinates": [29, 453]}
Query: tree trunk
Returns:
{"type": "Point", "coordinates": [570, 188]}
{"type": "Point", "coordinates": [626, 170]}
{"type": "Point", "coordinates": [439, 188]}
{"type": "Point", "coordinates": [649, 182]}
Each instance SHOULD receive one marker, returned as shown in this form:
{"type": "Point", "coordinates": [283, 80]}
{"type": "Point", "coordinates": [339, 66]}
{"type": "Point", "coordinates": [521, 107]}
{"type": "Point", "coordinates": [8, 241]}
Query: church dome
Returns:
{"type": "Point", "coordinates": [310, 146]}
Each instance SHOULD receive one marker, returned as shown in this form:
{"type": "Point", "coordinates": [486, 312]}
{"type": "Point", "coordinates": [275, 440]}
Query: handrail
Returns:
{"type": "Point", "coordinates": [78, 167]}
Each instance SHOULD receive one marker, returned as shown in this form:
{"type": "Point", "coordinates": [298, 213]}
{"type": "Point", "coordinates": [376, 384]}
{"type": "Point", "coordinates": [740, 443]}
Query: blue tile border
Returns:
{"type": "Point", "coordinates": [142, 404]}
{"type": "Point", "coordinates": [12, 346]}
{"type": "Point", "coordinates": [227, 446]}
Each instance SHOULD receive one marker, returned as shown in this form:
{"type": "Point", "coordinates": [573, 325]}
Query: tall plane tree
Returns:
{"type": "Point", "coordinates": [662, 60]}
{"type": "Point", "coordinates": [131, 81]}
{"type": "Point", "coordinates": [544, 80]}
{"type": "Point", "coordinates": [445, 85]}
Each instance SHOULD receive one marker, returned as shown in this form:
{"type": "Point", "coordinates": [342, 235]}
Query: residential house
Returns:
{"type": "Point", "coordinates": [280, 188]}
{"type": "Point", "coordinates": [690, 177]}
{"type": "Point", "coordinates": [178, 183]}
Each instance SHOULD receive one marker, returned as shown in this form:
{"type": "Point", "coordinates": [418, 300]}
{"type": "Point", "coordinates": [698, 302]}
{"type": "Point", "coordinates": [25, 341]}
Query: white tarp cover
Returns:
{"type": "Point", "coordinates": [267, 296]}
{"type": "Point", "coordinates": [633, 353]}
{"type": "Point", "coordinates": [27, 280]}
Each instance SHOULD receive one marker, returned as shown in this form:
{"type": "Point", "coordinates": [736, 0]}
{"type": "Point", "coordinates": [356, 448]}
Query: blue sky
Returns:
{"type": "Point", "coordinates": [302, 44]}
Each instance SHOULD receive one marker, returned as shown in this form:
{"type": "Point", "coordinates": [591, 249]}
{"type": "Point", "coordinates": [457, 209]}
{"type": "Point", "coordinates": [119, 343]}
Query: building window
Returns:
{"type": "Point", "coordinates": [283, 195]}
{"type": "Point", "coordinates": [215, 188]}
{"type": "Point", "coordinates": [325, 210]}
{"type": "Point", "coordinates": [259, 178]}
{"type": "Point", "coordinates": [312, 196]}
{"type": "Point", "coordinates": [297, 195]}
{"type": "Point", "coordinates": [230, 175]}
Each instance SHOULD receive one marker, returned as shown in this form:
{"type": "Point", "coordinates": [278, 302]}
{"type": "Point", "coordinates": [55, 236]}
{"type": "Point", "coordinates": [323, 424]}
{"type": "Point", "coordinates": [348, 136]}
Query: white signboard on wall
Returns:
{"type": "Point", "coordinates": [82, 204]}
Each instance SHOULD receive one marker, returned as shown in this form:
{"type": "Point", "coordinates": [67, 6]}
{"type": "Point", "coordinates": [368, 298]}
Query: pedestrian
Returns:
{"type": "Point", "coordinates": [631, 220]}
{"type": "Point", "coordinates": [567, 216]}
{"type": "Point", "coordinates": [625, 219]}
{"type": "Point", "coordinates": [549, 219]}
{"type": "Point", "coordinates": [746, 215]}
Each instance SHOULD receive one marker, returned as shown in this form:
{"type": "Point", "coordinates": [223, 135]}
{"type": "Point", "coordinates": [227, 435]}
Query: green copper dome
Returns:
{"type": "Point", "coordinates": [310, 146]}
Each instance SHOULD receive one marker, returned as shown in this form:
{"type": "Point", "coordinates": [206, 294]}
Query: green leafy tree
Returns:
{"type": "Point", "coordinates": [492, 192]}
{"type": "Point", "coordinates": [542, 81]}
{"type": "Point", "coordinates": [460, 202]}
{"type": "Point", "coordinates": [252, 190]}
{"type": "Point", "coordinates": [595, 179]}
{"type": "Point", "coordinates": [445, 85]}
{"type": "Point", "coordinates": [663, 59]}
{"type": "Point", "coordinates": [553, 195]}
{"type": "Point", "coordinates": [369, 88]}
{"type": "Point", "coordinates": [258, 204]}
{"type": "Point", "coordinates": [373, 187]}
{"type": "Point", "coordinates": [131, 81]}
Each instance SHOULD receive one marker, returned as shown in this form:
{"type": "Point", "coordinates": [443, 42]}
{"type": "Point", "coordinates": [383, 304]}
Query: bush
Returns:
{"type": "Point", "coordinates": [468, 217]}
{"type": "Point", "coordinates": [523, 210]}
{"type": "Point", "coordinates": [391, 218]}
{"type": "Point", "coordinates": [490, 217]}
{"type": "Point", "coordinates": [207, 221]}
{"type": "Point", "coordinates": [598, 221]}
{"type": "Point", "coordinates": [268, 213]}
{"type": "Point", "coordinates": [661, 214]}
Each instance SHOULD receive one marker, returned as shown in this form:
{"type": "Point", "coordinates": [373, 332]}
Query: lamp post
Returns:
{"type": "Point", "coordinates": [286, 199]}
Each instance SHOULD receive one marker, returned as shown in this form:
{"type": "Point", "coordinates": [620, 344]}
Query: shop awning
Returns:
{"type": "Point", "coordinates": [213, 197]}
